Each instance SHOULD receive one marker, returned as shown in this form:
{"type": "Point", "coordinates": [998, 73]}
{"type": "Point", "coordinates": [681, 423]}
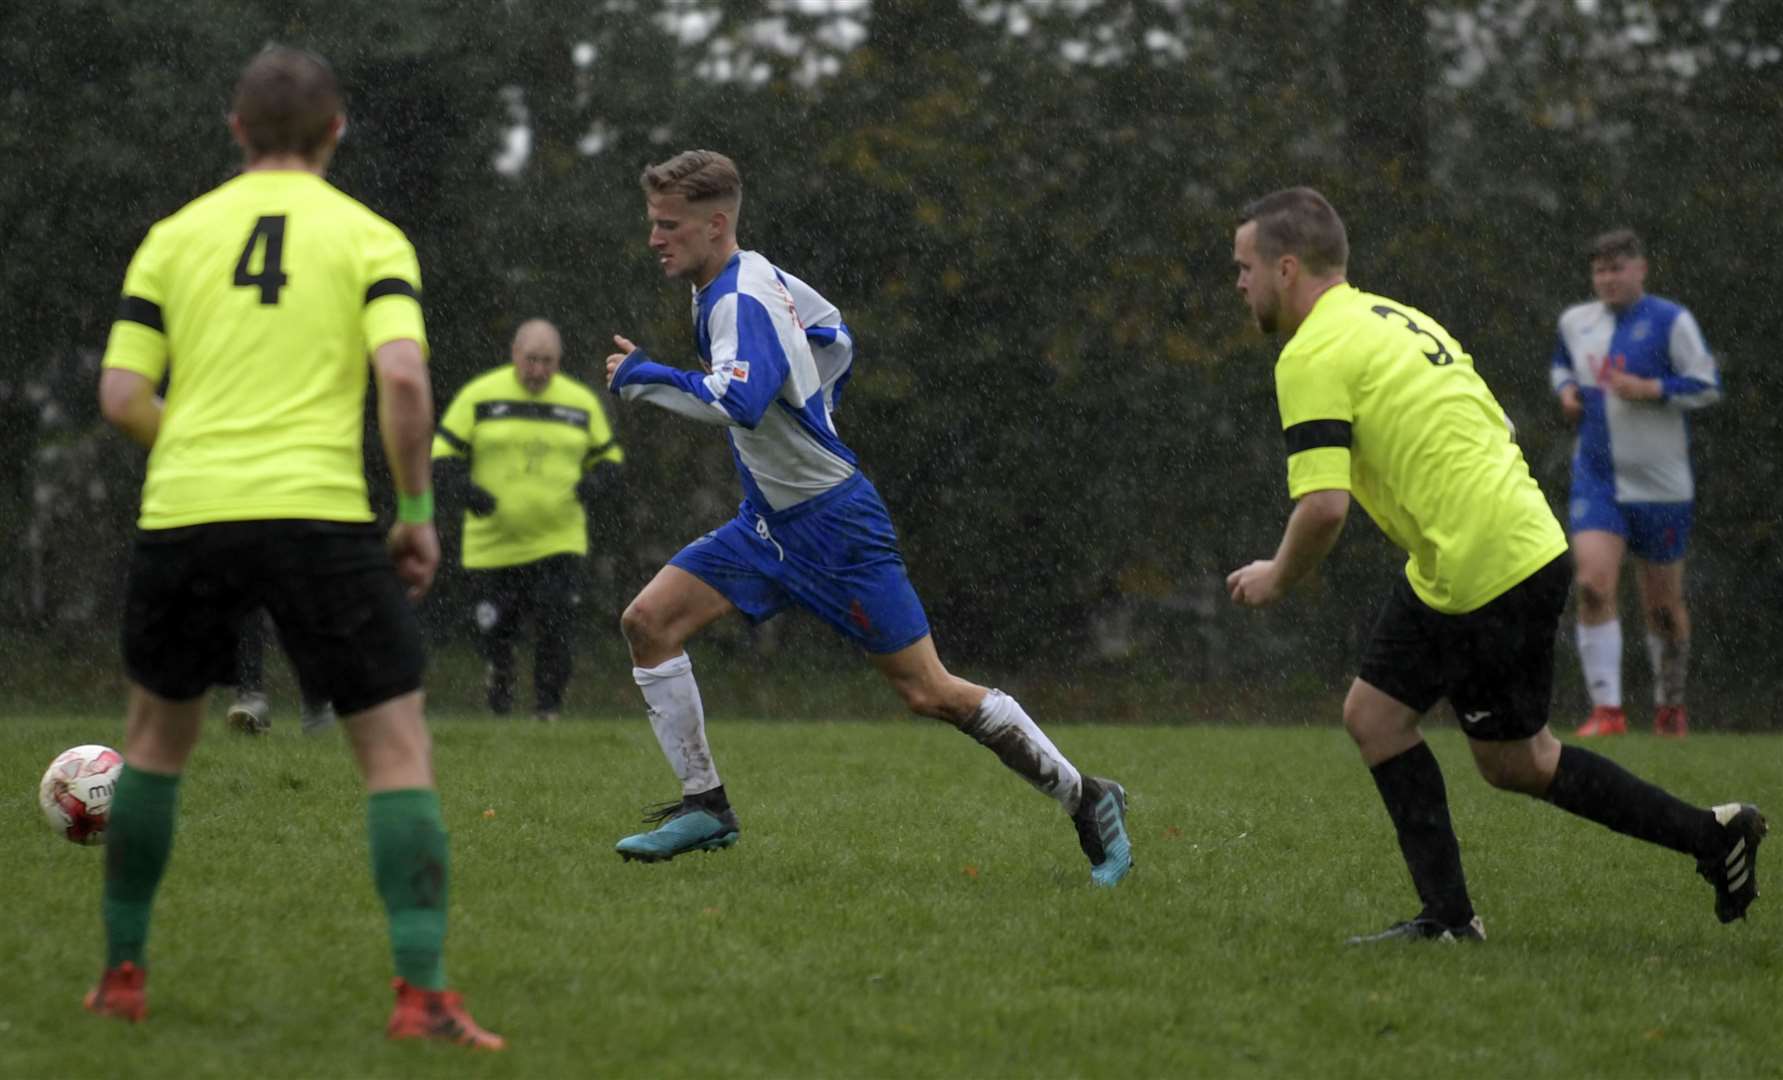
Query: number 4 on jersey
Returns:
{"type": "Point", "coordinates": [271, 277]}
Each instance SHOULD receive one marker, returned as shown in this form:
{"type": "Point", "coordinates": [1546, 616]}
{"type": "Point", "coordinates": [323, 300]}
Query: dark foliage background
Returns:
{"type": "Point", "coordinates": [1023, 209]}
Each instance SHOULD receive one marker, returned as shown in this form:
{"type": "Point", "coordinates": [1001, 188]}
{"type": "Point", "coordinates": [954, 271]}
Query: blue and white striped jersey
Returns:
{"type": "Point", "coordinates": [776, 355]}
{"type": "Point", "coordinates": [1642, 446]}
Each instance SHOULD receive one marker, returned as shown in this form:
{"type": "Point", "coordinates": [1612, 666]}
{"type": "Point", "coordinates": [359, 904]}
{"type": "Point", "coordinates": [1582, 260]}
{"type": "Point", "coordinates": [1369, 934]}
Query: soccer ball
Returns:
{"type": "Point", "coordinates": [76, 792]}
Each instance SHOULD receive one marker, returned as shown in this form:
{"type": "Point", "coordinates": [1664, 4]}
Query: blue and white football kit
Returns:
{"type": "Point", "coordinates": [1631, 468]}
{"type": "Point", "coordinates": [811, 529]}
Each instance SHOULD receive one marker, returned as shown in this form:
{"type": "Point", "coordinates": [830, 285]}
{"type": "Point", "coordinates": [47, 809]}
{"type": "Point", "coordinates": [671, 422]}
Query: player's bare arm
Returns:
{"type": "Point", "coordinates": [129, 403]}
{"type": "Point", "coordinates": [1313, 529]}
{"type": "Point", "coordinates": [405, 422]}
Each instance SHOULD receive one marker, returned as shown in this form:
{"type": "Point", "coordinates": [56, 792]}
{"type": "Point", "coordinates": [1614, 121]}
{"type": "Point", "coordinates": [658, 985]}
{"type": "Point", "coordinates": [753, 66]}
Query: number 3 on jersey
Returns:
{"type": "Point", "coordinates": [271, 277]}
{"type": "Point", "coordinates": [1438, 354]}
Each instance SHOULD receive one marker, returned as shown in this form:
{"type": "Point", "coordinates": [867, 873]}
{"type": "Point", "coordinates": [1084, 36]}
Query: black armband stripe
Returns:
{"type": "Point", "coordinates": [452, 440]}
{"type": "Point", "coordinates": [1313, 434]}
{"type": "Point", "coordinates": [137, 310]}
{"type": "Point", "coordinates": [531, 410]}
{"type": "Point", "coordinates": [392, 286]}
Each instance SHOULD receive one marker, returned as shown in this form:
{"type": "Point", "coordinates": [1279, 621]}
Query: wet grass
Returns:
{"type": "Point", "coordinates": [898, 906]}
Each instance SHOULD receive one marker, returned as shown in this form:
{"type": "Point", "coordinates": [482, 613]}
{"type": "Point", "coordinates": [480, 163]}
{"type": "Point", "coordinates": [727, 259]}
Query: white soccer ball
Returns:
{"type": "Point", "coordinates": [76, 791]}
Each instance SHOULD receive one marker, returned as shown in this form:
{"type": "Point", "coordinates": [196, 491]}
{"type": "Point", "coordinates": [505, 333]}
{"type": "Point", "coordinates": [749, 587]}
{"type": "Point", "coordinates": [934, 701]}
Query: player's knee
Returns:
{"type": "Point", "coordinates": [1526, 767]}
{"type": "Point", "coordinates": [923, 700]}
{"type": "Point", "coordinates": [639, 624]}
{"type": "Point", "coordinates": [1521, 775]}
{"type": "Point", "coordinates": [1663, 618]}
{"type": "Point", "coordinates": [1596, 593]}
{"type": "Point", "coordinates": [1497, 773]}
{"type": "Point", "coordinates": [1363, 726]}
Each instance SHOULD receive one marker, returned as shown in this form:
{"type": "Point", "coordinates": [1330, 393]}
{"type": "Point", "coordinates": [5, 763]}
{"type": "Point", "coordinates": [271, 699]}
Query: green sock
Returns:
{"type": "Point", "coordinates": [138, 840]}
{"type": "Point", "coordinates": [408, 862]}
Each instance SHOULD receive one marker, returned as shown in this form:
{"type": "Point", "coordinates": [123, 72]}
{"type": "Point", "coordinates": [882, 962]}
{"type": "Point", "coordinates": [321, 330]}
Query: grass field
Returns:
{"type": "Point", "coordinates": [898, 906]}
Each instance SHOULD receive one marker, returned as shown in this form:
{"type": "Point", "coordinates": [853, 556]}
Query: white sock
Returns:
{"type": "Point", "coordinates": [1600, 655]}
{"type": "Point", "coordinates": [1001, 726]}
{"type": "Point", "coordinates": [1671, 659]}
{"type": "Point", "coordinates": [679, 720]}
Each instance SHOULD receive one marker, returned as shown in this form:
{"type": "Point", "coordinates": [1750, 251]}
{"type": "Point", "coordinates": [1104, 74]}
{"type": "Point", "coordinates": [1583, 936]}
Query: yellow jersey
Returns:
{"type": "Point", "coordinates": [1379, 400]}
{"type": "Point", "coordinates": [529, 451]}
{"type": "Point", "coordinates": [260, 303]}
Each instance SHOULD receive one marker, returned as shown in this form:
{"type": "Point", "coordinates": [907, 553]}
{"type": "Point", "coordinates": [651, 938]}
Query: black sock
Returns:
{"type": "Point", "coordinates": [712, 799]}
{"type": "Point", "coordinates": [1411, 785]}
{"type": "Point", "coordinates": [1596, 788]}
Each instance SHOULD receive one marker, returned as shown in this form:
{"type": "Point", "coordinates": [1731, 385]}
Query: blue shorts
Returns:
{"type": "Point", "coordinates": [835, 555]}
{"type": "Point", "coordinates": [1655, 531]}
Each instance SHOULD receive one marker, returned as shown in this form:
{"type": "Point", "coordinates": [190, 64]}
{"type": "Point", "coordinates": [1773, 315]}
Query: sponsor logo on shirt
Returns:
{"type": "Point", "coordinates": [738, 371]}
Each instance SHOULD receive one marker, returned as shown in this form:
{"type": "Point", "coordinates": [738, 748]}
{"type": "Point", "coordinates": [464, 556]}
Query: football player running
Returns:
{"type": "Point", "coordinates": [1381, 404]}
{"type": "Point", "coordinates": [811, 530]}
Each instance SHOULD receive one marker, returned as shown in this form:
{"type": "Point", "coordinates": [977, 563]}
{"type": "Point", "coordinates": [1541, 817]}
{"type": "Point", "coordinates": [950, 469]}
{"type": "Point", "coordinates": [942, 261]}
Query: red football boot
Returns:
{"type": "Point", "coordinates": [1604, 720]}
{"type": "Point", "coordinates": [122, 992]}
{"type": "Point", "coordinates": [1671, 721]}
{"type": "Point", "coordinates": [437, 1014]}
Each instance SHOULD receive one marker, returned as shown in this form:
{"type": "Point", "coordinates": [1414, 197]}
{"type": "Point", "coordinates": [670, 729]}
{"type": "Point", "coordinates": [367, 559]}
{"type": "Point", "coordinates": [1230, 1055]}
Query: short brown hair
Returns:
{"type": "Point", "coordinates": [695, 175]}
{"type": "Point", "coordinates": [286, 100]}
{"type": "Point", "coordinates": [1298, 221]}
{"type": "Point", "coordinates": [1620, 243]}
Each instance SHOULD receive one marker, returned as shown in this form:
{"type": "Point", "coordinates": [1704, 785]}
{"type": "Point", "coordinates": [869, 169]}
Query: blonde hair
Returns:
{"type": "Point", "coordinates": [695, 175]}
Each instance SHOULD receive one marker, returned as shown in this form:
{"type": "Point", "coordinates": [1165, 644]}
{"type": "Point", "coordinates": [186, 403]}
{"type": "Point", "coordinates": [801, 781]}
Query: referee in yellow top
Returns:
{"type": "Point", "coordinates": [1380, 403]}
{"type": "Point", "coordinates": [259, 305]}
{"type": "Point", "coordinates": [528, 452]}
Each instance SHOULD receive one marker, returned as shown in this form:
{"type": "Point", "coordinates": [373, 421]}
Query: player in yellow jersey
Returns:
{"type": "Point", "coordinates": [1379, 403]}
{"type": "Point", "coordinates": [528, 452]}
{"type": "Point", "coordinates": [259, 305]}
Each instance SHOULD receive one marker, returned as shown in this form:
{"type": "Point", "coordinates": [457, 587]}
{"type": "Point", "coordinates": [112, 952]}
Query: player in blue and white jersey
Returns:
{"type": "Point", "coordinates": [1628, 369]}
{"type": "Point", "coordinates": [811, 530]}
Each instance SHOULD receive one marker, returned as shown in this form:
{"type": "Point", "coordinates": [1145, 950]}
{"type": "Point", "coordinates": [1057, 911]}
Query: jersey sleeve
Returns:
{"type": "Point", "coordinates": [640, 378]}
{"type": "Point", "coordinates": [393, 292]}
{"type": "Point", "coordinates": [452, 438]}
{"type": "Point", "coordinates": [748, 367]}
{"type": "Point", "coordinates": [1317, 411]}
{"type": "Point", "coordinates": [138, 340]}
{"type": "Point", "coordinates": [1560, 368]}
{"type": "Point", "coordinates": [1694, 381]}
{"type": "Point", "coordinates": [749, 363]}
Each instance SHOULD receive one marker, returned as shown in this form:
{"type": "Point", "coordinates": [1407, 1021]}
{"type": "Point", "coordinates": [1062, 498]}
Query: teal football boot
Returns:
{"type": "Point", "coordinates": [685, 826]}
{"type": "Point", "coordinates": [1101, 822]}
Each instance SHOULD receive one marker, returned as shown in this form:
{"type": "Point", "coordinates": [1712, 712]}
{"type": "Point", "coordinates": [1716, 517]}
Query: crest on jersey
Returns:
{"type": "Point", "coordinates": [1641, 329]}
{"type": "Point", "coordinates": [738, 371]}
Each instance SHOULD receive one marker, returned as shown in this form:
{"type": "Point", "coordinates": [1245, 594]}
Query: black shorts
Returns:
{"type": "Point", "coordinates": [342, 614]}
{"type": "Point", "coordinates": [1494, 664]}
